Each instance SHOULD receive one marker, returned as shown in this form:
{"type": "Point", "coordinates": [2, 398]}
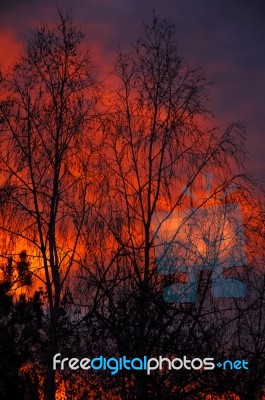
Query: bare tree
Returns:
{"type": "Point", "coordinates": [160, 144]}
{"type": "Point", "coordinates": [47, 112]}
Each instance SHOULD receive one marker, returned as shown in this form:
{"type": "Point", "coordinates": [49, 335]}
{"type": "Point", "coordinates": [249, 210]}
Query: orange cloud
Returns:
{"type": "Point", "coordinates": [10, 48]}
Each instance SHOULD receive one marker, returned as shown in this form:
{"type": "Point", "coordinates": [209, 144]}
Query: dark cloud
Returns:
{"type": "Point", "coordinates": [227, 37]}
{"type": "Point", "coordinates": [10, 6]}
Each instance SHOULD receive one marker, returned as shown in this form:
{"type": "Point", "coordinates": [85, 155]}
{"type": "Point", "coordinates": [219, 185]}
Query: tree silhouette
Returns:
{"type": "Point", "coordinates": [46, 157]}
{"type": "Point", "coordinates": [160, 145]}
{"type": "Point", "coordinates": [20, 322]}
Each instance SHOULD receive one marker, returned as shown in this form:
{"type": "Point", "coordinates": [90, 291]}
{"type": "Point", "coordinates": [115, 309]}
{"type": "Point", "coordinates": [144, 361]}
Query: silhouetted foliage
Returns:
{"type": "Point", "coordinates": [20, 322]}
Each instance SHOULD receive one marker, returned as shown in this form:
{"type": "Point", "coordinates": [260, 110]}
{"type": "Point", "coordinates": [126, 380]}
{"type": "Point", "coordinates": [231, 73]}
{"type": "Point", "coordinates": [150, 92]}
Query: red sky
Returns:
{"type": "Point", "coordinates": [226, 37]}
